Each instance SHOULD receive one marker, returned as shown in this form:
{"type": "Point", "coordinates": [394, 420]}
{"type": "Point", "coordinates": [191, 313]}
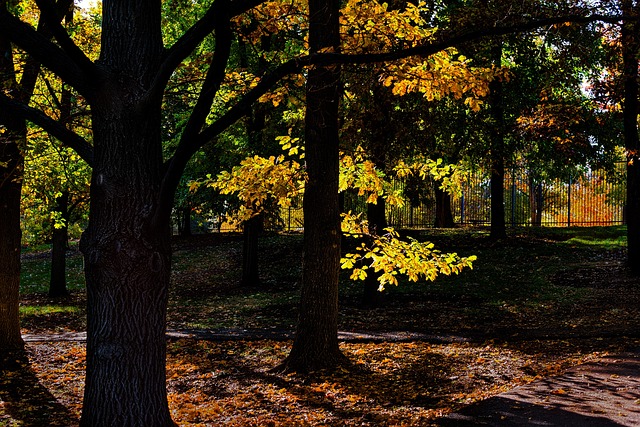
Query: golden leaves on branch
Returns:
{"type": "Point", "coordinates": [391, 256]}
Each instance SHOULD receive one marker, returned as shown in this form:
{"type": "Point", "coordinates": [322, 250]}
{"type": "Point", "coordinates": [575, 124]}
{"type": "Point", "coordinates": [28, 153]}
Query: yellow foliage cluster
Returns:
{"type": "Point", "coordinates": [258, 182]}
{"type": "Point", "coordinates": [391, 256]}
{"type": "Point", "coordinates": [358, 173]}
{"type": "Point", "coordinates": [370, 26]}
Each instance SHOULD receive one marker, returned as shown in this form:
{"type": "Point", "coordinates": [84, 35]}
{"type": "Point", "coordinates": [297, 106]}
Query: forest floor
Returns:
{"type": "Point", "coordinates": [542, 303]}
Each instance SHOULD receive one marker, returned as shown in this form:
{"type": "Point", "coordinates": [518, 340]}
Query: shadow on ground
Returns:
{"type": "Point", "coordinates": [24, 399]}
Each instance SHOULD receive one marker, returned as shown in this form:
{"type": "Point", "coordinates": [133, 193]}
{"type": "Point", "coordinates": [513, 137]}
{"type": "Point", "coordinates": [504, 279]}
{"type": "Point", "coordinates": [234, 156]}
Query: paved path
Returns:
{"type": "Point", "coordinates": [604, 393]}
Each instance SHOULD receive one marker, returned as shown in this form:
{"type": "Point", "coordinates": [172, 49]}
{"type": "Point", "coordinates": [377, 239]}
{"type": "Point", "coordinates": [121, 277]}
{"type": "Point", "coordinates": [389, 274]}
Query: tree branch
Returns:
{"type": "Point", "coordinates": [45, 52]}
{"type": "Point", "coordinates": [52, 15]}
{"type": "Point", "coordinates": [189, 146]}
{"type": "Point", "coordinates": [196, 34]}
{"type": "Point", "coordinates": [51, 126]}
{"type": "Point", "coordinates": [211, 85]}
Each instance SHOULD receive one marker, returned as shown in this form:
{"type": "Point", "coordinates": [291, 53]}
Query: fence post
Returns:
{"type": "Point", "coordinates": [569, 203]}
{"type": "Point", "coordinates": [513, 197]}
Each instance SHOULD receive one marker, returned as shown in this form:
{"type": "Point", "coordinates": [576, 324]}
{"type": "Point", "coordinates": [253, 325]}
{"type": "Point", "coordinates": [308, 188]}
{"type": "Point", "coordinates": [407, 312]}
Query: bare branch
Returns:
{"type": "Point", "coordinates": [196, 34]}
{"type": "Point", "coordinates": [45, 52]}
{"type": "Point", "coordinates": [52, 16]}
{"type": "Point", "coordinates": [51, 126]}
{"type": "Point", "coordinates": [211, 85]}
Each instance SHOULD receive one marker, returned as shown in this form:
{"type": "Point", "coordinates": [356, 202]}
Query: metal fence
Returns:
{"type": "Point", "coordinates": [595, 198]}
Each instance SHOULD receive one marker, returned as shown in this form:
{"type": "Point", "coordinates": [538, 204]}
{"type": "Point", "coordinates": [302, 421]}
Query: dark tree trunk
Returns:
{"type": "Point", "coordinates": [11, 163]}
{"type": "Point", "coordinates": [498, 224]}
{"type": "Point", "coordinates": [444, 215]}
{"type": "Point", "coordinates": [631, 44]}
{"type": "Point", "coordinates": [316, 341]}
{"type": "Point", "coordinates": [126, 246]}
{"type": "Point", "coordinates": [59, 242]}
{"type": "Point", "coordinates": [377, 218]}
{"type": "Point", "coordinates": [11, 175]}
{"type": "Point", "coordinates": [60, 238]}
{"type": "Point", "coordinates": [251, 233]}
{"type": "Point", "coordinates": [127, 266]}
{"type": "Point", "coordinates": [184, 221]}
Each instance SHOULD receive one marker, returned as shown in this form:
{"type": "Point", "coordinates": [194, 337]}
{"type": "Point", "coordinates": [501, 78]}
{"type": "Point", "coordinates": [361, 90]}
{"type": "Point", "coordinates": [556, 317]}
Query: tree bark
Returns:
{"type": "Point", "coordinates": [316, 342]}
{"type": "Point", "coordinates": [184, 221]}
{"type": "Point", "coordinates": [59, 242]}
{"type": "Point", "coordinates": [11, 168]}
{"type": "Point", "coordinates": [377, 219]}
{"type": "Point", "coordinates": [498, 224]}
{"type": "Point", "coordinates": [250, 270]}
{"type": "Point", "coordinates": [11, 175]}
{"type": "Point", "coordinates": [126, 245]}
{"type": "Point", "coordinates": [444, 215]}
{"type": "Point", "coordinates": [631, 44]}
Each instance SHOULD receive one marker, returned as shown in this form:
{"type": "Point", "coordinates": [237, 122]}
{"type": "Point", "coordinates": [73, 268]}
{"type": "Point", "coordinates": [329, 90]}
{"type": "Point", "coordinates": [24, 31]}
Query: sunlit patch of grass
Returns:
{"type": "Point", "coordinates": [47, 310]}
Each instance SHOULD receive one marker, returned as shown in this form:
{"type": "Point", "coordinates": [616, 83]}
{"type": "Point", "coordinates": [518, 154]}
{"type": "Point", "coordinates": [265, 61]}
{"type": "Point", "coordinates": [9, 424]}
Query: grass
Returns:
{"type": "Point", "coordinates": [36, 271]}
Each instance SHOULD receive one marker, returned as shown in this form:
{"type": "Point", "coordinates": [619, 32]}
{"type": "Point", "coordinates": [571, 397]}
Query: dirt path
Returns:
{"type": "Point", "coordinates": [263, 334]}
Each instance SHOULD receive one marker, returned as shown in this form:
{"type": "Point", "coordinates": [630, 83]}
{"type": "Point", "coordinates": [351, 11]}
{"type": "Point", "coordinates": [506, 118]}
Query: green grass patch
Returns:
{"type": "Point", "coordinates": [47, 310]}
{"type": "Point", "coordinates": [36, 273]}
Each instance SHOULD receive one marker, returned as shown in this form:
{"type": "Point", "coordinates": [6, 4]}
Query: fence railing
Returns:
{"type": "Point", "coordinates": [593, 199]}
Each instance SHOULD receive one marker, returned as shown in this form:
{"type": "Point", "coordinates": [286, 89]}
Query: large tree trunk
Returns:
{"type": "Point", "coordinates": [127, 266]}
{"type": "Point", "coordinates": [444, 215]}
{"type": "Point", "coordinates": [11, 174]}
{"type": "Point", "coordinates": [59, 242]}
{"type": "Point", "coordinates": [316, 341]}
{"type": "Point", "coordinates": [126, 246]}
{"type": "Point", "coordinates": [631, 46]}
{"type": "Point", "coordinates": [498, 224]}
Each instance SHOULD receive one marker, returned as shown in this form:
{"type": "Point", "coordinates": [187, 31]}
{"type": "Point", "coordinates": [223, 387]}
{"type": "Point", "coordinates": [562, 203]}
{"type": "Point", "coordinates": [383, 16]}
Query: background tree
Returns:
{"type": "Point", "coordinates": [18, 75]}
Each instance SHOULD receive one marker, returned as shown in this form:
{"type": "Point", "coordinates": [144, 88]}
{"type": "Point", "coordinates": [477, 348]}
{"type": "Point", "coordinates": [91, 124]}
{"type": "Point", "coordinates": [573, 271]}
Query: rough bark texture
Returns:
{"type": "Point", "coordinates": [59, 241]}
{"type": "Point", "coordinates": [444, 215]}
{"type": "Point", "coordinates": [127, 255]}
{"type": "Point", "coordinates": [10, 235]}
{"type": "Point", "coordinates": [498, 224]}
{"type": "Point", "coordinates": [316, 342]}
{"type": "Point", "coordinates": [631, 46]}
{"type": "Point", "coordinates": [11, 173]}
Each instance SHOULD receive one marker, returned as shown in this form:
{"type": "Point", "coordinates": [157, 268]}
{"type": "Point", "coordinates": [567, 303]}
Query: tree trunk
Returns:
{"type": "Point", "coordinates": [184, 221]}
{"type": "Point", "coordinates": [444, 215]}
{"type": "Point", "coordinates": [11, 174]}
{"type": "Point", "coordinates": [126, 245]}
{"type": "Point", "coordinates": [377, 218]}
{"type": "Point", "coordinates": [498, 224]}
{"type": "Point", "coordinates": [316, 342]}
{"type": "Point", "coordinates": [631, 46]}
{"type": "Point", "coordinates": [11, 163]}
{"type": "Point", "coordinates": [251, 232]}
{"type": "Point", "coordinates": [59, 242]}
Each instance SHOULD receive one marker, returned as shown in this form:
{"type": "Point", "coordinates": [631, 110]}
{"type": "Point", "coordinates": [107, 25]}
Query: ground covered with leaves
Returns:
{"type": "Point", "coordinates": [534, 305]}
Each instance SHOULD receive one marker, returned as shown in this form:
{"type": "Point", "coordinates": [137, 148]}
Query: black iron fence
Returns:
{"type": "Point", "coordinates": [595, 198]}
